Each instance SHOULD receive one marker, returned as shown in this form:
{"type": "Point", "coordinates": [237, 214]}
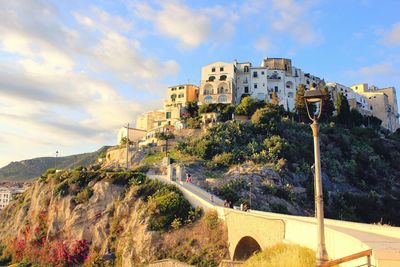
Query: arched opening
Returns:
{"type": "Point", "coordinates": [211, 78]}
{"type": "Point", "coordinates": [289, 85]}
{"type": "Point", "coordinates": [208, 99]}
{"type": "Point", "coordinates": [222, 99]}
{"type": "Point", "coordinates": [208, 89]}
{"type": "Point", "coordinates": [246, 247]}
{"type": "Point", "coordinates": [223, 88]}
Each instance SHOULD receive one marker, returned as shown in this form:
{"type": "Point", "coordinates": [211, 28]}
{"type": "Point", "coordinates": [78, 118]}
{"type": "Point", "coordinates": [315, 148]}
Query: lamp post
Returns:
{"type": "Point", "coordinates": [315, 96]}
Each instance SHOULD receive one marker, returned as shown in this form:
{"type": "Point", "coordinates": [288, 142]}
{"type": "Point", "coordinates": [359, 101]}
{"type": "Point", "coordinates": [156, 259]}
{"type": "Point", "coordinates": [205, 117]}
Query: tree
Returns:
{"type": "Point", "coordinates": [268, 118]}
{"type": "Point", "coordinates": [246, 107]}
{"type": "Point", "coordinates": [275, 98]}
{"type": "Point", "coordinates": [343, 115]}
{"type": "Point", "coordinates": [356, 118]}
{"type": "Point", "coordinates": [328, 106]}
{"type": "Point", "coordinates": [299, 103]}
{"type": "Point", "coordinates": [165, 136]}
{"type": "Point", "coordinates": [191, 110]}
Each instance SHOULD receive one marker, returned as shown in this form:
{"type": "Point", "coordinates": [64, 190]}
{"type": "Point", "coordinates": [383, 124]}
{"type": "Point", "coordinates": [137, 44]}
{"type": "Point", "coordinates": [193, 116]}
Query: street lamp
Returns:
{"type": "Point", "coordinates": [315, 96]}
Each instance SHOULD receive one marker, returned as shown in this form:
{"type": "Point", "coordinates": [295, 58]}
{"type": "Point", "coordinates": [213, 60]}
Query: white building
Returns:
{"type": "Point", "coordinates": [223, 82]}
{"type": "Point", "coordinates": [7, 194]}
{"type": "Point", "coordinates": [355, 100]}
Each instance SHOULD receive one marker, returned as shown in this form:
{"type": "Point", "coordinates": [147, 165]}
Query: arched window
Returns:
{"type": "Point", "coordinates": [223, 88]}
{"type": "Point", "coordinates": [222, 78]}
{"type": "Point", "coordinates": [208, 99]}
{"type": "Point", "coordinates": [222, 99]}
{"type": "Point", "coordinates": [289, 85]}
{"type": "Point", "coordinates": [211, 78]}
{"type": "Point", "coordinates": [208, 89]}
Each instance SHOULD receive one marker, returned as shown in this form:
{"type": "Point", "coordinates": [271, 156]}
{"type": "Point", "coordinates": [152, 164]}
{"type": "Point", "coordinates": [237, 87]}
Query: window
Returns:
{"type": "Point", "coordinates": [270, 96]}
{"type": "Point", "coordinates": [181, 87]}
{"type": "Point", "coordinates": [208, 89]}
{"type": "Point", "coordinates": [173, 89]}
{"type": "Point", "coordinates": [168, 115]}
{"type": "Point", "coordinates": [222, 78]}
{"type": "Point", "coordinates": [255, 74]}
{"type": "Point", "coordinates": [221, 69]}
{"type": "Point", "coordinates": [222, 99]}
{"type": "Point", "coordinates": [211, 78]}
{"type": "Point", "coordinates": [255, 86]}
{"type": "Point", "coordinates": [213, 69]}
{"type": "Point", "coordinates": [262, 73]}
{"type": "Point", "coordinates": [276, 89]}
{"type": "Point", "coordinates": [208, 99]}
{"type": "Point", "coordinates": [245, 80]}
{"type": "Point", "coordinates": [246, 89]}
{"type": "Point", "coordinates": [246, 69]}
{"type": "Point", "coordinates": [371, 108]}
{"type": "Point", "coordinates": [173, 97]}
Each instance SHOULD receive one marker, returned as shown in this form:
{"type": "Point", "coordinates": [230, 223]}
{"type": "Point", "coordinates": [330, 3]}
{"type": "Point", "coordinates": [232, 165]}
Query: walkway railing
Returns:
{"type": "Point", "coordinates": [366, 253]}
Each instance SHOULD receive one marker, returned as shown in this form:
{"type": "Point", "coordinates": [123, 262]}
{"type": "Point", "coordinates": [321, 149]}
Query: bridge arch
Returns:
{"type": "Point", "coordinates": [245, 248]}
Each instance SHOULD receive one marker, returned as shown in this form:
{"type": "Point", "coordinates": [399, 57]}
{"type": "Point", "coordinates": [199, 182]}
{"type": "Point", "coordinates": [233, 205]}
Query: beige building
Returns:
{"type": "Point", "coordinates": [218, 83]}
{"type": "Point", "coordinates": [177, 99]}
{"type": "Point", "coordinates": [150, 120]}
{"type": "Point", "coordinates": [356, 101]}
{"type": "Point", "coordinates": [382, 103]}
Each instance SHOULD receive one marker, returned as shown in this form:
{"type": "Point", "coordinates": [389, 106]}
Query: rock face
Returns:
{"type": "Point", "coordinates": [110, 213]}
{"type": "Point", "coordinates": [107, 212]}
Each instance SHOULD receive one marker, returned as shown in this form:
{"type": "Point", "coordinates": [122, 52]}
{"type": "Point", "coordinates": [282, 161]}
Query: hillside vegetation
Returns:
{"type": "Point", "coordinates": [74, 218]}
{"type": "Point", "coordinates": [360, 165]}
{"type": "Point", "coordinates": [32, 168]}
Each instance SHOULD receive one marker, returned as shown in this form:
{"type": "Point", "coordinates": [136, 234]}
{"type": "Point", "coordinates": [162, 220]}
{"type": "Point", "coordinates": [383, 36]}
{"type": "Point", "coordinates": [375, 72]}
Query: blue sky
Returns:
{"type": "Point", "coordinates": [73, 72]}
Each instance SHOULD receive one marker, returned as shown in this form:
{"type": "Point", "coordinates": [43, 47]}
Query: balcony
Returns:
{"type": "Point", "coordinates": [274, 77]}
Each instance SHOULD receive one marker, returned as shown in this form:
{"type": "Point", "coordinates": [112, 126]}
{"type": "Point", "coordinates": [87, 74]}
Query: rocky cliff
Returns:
{"type": "Point", "coordinates": [121, 219]}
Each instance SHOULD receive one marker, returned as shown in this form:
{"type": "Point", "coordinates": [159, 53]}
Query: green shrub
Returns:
{"type": "Point", "coordinates": [176, 223]}
{"type": "Point", "coordinates": [84, 195]}
{"type": "Point", "coordinates": [169, 204]}
{"type": "Point", "coordinates": [279, 208]}
{"type": "Point", "coordinates": [223, 160]}
{"type": "Point", "coordinates": [61, 189]}
{"type": "Point", "coordinates": [211, 219]}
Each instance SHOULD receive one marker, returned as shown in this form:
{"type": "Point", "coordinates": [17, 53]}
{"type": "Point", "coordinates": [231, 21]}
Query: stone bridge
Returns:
{"type": "Point", "coordinates": [253, 231]}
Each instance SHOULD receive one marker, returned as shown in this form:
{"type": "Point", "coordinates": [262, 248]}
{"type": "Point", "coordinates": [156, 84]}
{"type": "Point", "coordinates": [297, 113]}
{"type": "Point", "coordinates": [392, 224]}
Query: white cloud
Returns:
{"type": "Point", "coordinates": [392, 38]}
{"type": "Point", "coordinates": [263, 44]}
{"type": "Point", "coordinates": [381, 74]}
{"type": "Point", "coordinates": [294, 18]}
{"type": "Point", "coordinates": [59, 87]}
{"type": "Point", "coordinates": [191, 27]}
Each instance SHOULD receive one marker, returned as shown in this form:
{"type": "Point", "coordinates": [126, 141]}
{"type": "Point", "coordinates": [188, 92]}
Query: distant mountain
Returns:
{"type": "Point", "coordinates": [31, 168]}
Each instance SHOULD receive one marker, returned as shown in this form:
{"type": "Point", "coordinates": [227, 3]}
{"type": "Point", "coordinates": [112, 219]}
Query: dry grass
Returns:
{"type": "Point", "coordinates": [203, 243]}
{"type": "Point", "coordinates": [283, 255]}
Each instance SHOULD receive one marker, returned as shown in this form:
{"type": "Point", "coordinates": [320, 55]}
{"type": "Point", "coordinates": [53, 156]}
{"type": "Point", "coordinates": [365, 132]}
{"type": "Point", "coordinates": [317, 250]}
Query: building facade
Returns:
{"type": "Point", "coordinates": [382, 103]}
{"type": "Point", "coordinates": [150, 120]}
{"type": "Point", "coordinates": [8, 193]}
{"type": "Point", "coordinates": [178, 98]}
{"type": "Point", "coordinates": [356, 101]}
{"type": "Point", "coordinates": [218, 83]}
{"type": "Point", "coordinates": [223, 82]}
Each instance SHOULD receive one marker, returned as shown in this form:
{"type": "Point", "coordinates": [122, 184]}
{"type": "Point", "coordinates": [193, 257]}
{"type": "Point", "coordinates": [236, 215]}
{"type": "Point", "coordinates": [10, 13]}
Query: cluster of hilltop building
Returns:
{"type": "Point", "coordinates": [228, 83]}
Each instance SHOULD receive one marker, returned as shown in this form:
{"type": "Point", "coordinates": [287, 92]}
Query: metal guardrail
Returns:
{"type": "Point", "coordinates": [366, 253]}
